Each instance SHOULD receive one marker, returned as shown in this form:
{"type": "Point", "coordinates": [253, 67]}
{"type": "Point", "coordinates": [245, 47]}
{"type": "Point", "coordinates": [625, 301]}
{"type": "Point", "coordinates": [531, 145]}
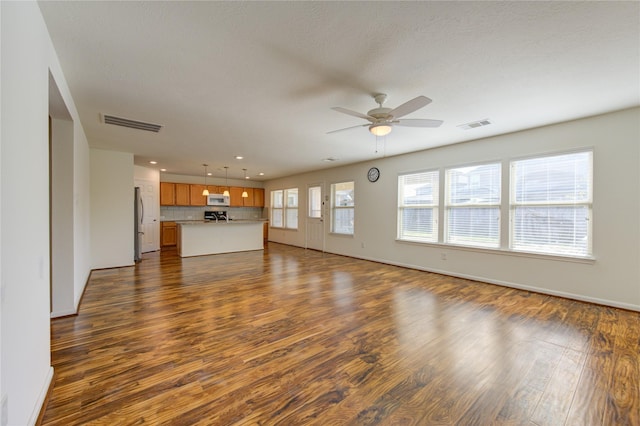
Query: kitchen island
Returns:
{"type": "Point", "coordinates": [197, 238]}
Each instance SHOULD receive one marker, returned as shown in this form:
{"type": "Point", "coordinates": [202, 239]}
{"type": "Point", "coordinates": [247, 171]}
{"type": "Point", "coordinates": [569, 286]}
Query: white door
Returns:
{"type": "Point", "coordinates": [150, 226]}
{"type": "Point", "coordinates": [315, 217]}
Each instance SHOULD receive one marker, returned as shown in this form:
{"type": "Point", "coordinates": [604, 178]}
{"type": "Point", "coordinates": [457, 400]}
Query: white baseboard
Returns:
{"type": "Point", "coordinates": [64, 313]}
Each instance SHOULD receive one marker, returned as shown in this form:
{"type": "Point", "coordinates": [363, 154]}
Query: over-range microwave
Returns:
{"type": "Point", "coordinates": [217, 200]}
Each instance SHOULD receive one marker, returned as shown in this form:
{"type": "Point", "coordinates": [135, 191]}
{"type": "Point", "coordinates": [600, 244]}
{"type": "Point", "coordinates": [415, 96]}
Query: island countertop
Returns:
{"type": "Point", "coordinates": [197, 238]}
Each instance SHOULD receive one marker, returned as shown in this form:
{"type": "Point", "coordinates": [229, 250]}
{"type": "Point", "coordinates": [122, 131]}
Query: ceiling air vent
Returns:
{"type": "Point", "coordinates": [132, 124]}
{"type": "Point", "coordinates": [474, 124]}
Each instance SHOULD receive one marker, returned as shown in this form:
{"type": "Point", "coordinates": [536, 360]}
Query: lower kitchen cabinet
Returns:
{"type": "Point", "coordinates": [168, 234]}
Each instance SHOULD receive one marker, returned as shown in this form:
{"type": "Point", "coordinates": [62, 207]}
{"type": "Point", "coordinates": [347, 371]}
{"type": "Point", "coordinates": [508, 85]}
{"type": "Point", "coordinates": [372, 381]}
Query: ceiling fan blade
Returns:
{"type": "Point", "coordinates": [418, 122]}
{"type": "Point", "coordinates": [348, 128]}
{"type": "Point", "coordinates": [353, 113]}
{"type": "Point", "coordinates": [410, 106]}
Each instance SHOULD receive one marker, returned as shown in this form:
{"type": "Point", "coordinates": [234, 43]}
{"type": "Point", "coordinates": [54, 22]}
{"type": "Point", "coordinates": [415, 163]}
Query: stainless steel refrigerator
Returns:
{"type": "Point", "coordinates": [138, 214]}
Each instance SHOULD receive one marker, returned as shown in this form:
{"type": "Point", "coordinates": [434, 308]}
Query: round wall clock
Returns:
{"type": "Point", "coordinates": [373, 174]}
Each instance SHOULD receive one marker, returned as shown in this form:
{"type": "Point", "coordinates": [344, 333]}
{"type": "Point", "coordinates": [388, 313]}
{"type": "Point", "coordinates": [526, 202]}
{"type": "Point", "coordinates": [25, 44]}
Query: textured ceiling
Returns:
{"type": "Point", "coordinates": [258, 79]}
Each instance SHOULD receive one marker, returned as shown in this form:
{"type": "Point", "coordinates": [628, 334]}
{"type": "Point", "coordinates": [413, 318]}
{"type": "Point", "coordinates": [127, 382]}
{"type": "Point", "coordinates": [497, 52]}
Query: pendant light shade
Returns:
{"type": "Point", "coordinates": [205, 191]}
{"type": "Point", "coordinates": [226, 181]}
{"type": "Point", "coordinates": [244, 193]}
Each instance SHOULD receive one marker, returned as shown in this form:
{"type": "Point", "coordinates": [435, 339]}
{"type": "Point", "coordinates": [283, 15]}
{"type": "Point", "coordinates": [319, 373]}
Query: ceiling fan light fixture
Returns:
{"type": "Point", "coordinates": [382, 129]}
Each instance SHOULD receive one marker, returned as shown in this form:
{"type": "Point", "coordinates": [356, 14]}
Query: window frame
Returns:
{"type": "Point", "coordinates": [449, 207]}
{"type": "Point", "coordinates": [513, 204]}
{"type": "Point", "coordinates": [336, 208]}
{"type": "Point", "coordinates": [434, 206]}
{"type": "Point", "coordinates": [283, 208]}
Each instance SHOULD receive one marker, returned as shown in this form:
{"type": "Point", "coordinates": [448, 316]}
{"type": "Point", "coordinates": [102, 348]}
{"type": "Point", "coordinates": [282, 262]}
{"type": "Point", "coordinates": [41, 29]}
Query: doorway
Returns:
{"type": "Point", "coordinates": [150, 226]}
{"type": "Point", "coordinates": [61, 205]}
{"type": "Point", "coordinates": [315, 217]}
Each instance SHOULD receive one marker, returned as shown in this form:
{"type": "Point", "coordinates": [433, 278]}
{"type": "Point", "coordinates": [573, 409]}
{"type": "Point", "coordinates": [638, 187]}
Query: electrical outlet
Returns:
{"type": "Point", "coordinates": [443, 256]}
{"type": "Point", "coordinates": [362, 245]}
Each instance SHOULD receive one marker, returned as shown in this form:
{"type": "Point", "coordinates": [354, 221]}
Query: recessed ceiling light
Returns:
{"type": "Point", "coordinates": [209, 174]}
{"type": "Point", "coordinates": [163, 170]}
{"type": "Point", "coordinates": [261, 174]}
{"type": "Point", "coordinates": [153, 162]}
{"type": "Point", "coordinates": [239, 157]}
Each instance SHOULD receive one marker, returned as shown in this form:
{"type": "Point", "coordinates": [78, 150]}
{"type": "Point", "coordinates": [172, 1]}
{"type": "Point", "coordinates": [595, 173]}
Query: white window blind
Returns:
{"type": "Point", "coordinates": [472, 205]}
{"type": "Point", "coordinates": [284, 208]}
{"type": "Point", "coordinates": [551, 199]}
{"type": "Point", "coordinates": [291, 208]}
{"type": "Point", "coordinates": [277, 209]}
{"type": "Point", "coordinates": [418, 206]}
{"type": "Point", "coordinates": [342, 207]}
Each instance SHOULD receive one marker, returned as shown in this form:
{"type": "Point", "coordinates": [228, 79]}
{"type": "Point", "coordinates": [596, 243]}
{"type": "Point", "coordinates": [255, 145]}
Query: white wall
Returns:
{"type": "Point", "coordinates": [27, 58]}
{"type": "Point", "coordinates": [146, 173]}
{"type": "Point", "coordinates": [613, 278]}
{"type": "Point", "coordinates": [112, 209]}
{"type": "Point", "coordinates": [169, 177]}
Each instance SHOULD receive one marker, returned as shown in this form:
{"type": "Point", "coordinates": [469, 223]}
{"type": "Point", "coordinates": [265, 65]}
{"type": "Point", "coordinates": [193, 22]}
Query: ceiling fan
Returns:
{"type": "Point", "coordinates": [381, 120]}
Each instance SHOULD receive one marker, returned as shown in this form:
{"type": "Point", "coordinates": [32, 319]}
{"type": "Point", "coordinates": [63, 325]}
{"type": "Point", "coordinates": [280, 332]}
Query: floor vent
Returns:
{"type": "Point", "coordinates": [132, 124]}
{"type": "Point", "coordinates": [474, 124]}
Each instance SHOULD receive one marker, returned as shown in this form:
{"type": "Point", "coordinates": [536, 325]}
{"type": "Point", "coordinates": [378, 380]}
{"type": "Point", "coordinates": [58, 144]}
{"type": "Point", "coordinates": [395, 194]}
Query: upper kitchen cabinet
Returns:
{"type": "Point", "coordinates": [235, 197]}
{"type": "Point", "coordinates": [167, 194]}
{"type": "Point", "coordinates": [183, 194]}
{"type": "Point", "coordinates": [197, 199]}
{"type": "Point", "coordinates": [258, 197]}
{"type": "Point", "coordinates": [254, 198]}
{"type": "Point", "coordinates": [248, 200]}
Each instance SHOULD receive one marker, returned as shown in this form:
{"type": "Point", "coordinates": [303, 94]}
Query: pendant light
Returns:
{"type": "Point", "coordinates": [244, 193]}
{"type": "Point", "coordinates": [226, 181]}
{"type": "Point", "coordinates": [205, 191]}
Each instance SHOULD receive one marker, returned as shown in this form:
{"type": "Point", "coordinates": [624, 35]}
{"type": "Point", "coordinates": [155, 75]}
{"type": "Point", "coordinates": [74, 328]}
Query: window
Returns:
{"type": "Point", "coordinates": [315, 202]}
{"type": "Point", "coordinates": [291, 208]}
{"type": "Point", "coordinates": [418, 206]}
{"type": "Point", "coordinates": [342, 207]}
{"type": "Point", "coordinates": [284, 208]}
{"type": "Point", "coordinates": [551, 204]}
{"type": "Point", "coordinates": [472, 205]}
{"type": "Point", "coordinates": [277, 209]}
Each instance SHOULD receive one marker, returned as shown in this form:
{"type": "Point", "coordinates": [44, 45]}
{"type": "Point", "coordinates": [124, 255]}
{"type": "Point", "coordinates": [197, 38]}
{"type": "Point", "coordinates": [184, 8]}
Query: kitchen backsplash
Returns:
{"type": "Point", "coordinates": [197, 213]}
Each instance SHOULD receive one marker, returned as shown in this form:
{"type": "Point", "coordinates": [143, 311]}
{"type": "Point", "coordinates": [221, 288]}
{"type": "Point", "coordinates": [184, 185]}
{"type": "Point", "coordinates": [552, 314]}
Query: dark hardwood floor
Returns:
{"type": "Point", "coordinates": [297, 337]}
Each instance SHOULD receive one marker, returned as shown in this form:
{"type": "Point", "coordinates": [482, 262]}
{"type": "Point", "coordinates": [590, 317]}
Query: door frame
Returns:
{"type": "Point", "coordinates": [323, 214]}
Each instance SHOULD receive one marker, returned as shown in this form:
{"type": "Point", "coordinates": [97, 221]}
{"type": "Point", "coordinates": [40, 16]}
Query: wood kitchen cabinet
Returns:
{"type": "Point", "coordinates": [168, 234]}
{"type": "Point", "coordinates": [167, 194]}
{"type": "Point", "coordinates": [235, 194]}
{"type": "Point", "coordinates": [265, 233]}
{"type": "Point", "coordinates": [183, 195]}
{"type": "Point", "coordinates": [255, 197]}
{"type": "Point", "coordinates": [258, 197]}
{"type": "Point", "coordinates": [248, 200]}
{"type": "Point", "coordinates": [197, 199]}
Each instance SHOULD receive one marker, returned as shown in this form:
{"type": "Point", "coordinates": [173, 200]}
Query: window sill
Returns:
{"type": "Point", "coordinates": [504, 252]}
{"type": "Point", "coordinates": [339, 234]}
